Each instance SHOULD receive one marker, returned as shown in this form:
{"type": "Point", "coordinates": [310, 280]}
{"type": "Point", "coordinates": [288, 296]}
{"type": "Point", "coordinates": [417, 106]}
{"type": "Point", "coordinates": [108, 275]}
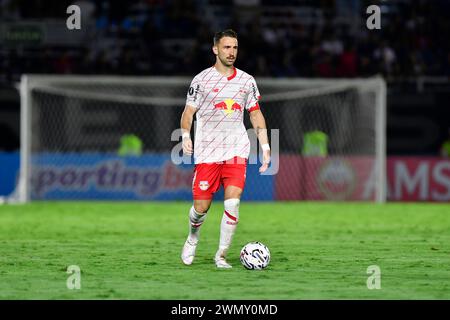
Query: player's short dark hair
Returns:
{"type": "Point", "coordinates": [226, 33]}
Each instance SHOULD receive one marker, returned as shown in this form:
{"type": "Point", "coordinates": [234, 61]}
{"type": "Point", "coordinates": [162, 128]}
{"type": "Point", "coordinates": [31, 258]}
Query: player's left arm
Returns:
{"type": "Point", "coordinates": [259, 124]}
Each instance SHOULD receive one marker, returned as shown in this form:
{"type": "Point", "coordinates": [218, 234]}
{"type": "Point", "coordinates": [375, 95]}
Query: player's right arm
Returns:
{"type": "Point", "coordinates": [194, 101]}
{"type": "Point", "coordinates": [186, 124]}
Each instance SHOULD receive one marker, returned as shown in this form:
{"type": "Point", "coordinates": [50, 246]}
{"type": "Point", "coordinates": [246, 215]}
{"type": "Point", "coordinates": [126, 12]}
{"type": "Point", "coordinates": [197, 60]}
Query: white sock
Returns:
{"type": "Point", "coordinates": [196, 220]}
{"type": "Point", "coordinates": [228, 226]}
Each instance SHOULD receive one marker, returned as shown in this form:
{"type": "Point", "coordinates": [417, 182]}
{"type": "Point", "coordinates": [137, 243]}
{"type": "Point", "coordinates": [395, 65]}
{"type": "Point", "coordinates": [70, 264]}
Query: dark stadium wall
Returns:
{"type": "Point", "coordinates": [9, 119]}
{"type": "Point", "coordinates": [417, 123]}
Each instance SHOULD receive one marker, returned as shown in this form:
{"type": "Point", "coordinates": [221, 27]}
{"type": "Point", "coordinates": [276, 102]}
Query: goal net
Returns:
{"type": "Point", "coordinates": [116, 138]}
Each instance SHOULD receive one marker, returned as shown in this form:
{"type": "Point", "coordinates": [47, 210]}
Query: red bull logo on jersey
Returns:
{"type": "Point", "coordinates": [228, 106]}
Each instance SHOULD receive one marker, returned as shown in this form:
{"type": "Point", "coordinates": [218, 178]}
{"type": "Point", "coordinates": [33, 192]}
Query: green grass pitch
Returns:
{"type": "Point", "coordinates": [132, 251]}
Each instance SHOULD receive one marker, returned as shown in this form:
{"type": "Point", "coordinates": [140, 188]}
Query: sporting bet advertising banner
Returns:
{"type": "Point", "coordinates": [155, 177]}
{"type": "Point", "coordinates": [146, 177]}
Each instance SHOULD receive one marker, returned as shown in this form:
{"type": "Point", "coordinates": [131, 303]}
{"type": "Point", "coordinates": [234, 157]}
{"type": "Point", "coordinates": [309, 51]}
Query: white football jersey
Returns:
{"type": "Point", "coordinates": [220, 133]}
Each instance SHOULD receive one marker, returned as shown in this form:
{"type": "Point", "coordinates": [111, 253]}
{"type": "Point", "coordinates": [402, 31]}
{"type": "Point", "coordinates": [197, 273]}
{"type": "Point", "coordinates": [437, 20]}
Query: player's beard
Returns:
{"type": "Point", "coordinates": [226, 62]}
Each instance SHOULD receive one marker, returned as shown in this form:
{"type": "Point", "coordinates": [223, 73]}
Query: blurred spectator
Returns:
{"type": "Point", "coordinates": [332, 45]}
{"type": "Point", "coordinates": [386, 57]}
{"type": "Point", "coordinates": [348, 62]}
{"type": "Point", "coordinates": [323, 67]}
{"type": "Point", "coordinates": [63, 64]}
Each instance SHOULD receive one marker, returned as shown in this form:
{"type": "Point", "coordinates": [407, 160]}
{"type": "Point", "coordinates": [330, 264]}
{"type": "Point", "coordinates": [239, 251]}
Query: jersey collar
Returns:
{"type": "Point", "coordinates": [230, 77]}
{"type": "Point", "coordinates": [233, 75]}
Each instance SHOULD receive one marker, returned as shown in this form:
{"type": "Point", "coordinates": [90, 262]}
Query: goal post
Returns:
{"type": "Point", "coordinates": [366, 132]}
{"type": "Point", "coordinates": [72, 127]}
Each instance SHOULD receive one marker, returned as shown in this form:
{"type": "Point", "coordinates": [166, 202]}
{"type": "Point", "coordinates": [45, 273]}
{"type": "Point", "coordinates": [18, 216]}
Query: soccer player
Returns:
{"type": "Point", "coordinates": [218, 96]}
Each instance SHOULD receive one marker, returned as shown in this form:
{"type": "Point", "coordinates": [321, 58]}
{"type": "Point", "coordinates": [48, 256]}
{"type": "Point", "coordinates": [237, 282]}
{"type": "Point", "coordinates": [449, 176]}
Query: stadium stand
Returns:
{"type": "Point", "coordinates": [294, 38]}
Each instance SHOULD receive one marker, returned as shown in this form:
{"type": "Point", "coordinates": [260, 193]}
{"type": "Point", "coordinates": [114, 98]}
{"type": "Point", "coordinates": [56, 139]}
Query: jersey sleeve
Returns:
{"type": "Point", "coordinates": [195, 95]}
{"type": "Point", "coordinates": [253, 96]}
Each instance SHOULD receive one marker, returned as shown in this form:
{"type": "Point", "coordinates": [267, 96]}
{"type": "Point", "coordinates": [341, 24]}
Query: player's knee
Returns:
{"type": "Point", "coordinates": [233, 192]}
{"type": "Point", "coordinates": [237, 193]}
{"type": "Point", "coordinates": [202, 207]}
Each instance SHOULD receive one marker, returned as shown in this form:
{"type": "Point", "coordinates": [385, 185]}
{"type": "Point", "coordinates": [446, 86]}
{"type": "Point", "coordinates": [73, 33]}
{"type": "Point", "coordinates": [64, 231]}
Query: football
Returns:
{"type": "Point", "coordinates": [255, 256]}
